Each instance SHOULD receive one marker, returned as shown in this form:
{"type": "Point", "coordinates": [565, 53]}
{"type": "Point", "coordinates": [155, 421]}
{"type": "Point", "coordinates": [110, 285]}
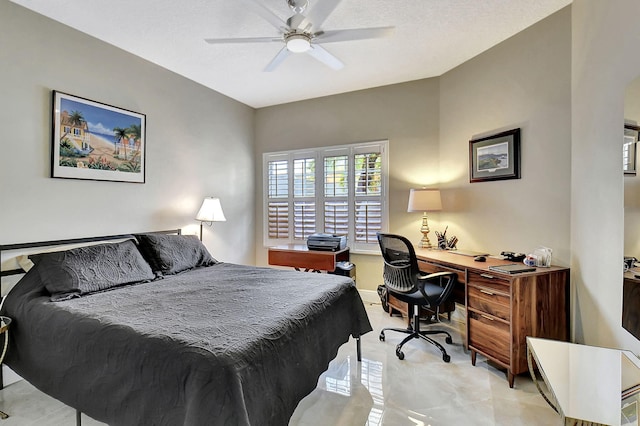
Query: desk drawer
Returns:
{"type": "Point", "coordinates": [489, 336]}
{"type": "Point", "coordinates": [489, 301]}
{"type": "Point", "coordinates": [490, 281]}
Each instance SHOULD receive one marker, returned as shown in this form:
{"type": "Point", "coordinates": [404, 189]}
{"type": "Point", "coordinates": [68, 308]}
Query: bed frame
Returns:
{"type": "Point", "coordinates": [40, 244]}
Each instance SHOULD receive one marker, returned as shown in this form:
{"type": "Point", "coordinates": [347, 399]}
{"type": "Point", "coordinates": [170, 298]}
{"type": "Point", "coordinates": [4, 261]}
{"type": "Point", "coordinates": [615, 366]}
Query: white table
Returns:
{"type": "Point", "coordinates": [585, 382]}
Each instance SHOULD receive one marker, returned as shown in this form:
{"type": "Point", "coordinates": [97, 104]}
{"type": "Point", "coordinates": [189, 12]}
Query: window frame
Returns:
{"type": "Point", "coordinates": [319, 154]}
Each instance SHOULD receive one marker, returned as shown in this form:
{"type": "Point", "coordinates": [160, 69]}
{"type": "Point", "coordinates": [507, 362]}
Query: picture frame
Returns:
{"type": "Point", "coordinates": [96, 141]}
{"type": "Point", "coordinates": [495, 157]}
{"type": "Point", "coordinates": [629, 144]}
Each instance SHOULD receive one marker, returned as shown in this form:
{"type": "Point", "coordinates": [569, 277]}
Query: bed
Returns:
{"type": "Point", "coordinates": [163, 334]}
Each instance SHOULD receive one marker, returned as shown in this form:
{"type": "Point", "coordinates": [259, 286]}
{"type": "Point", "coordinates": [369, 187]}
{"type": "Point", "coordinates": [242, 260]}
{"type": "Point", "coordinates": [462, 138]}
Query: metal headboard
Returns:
{"type": "Point", "coordinates": [38, 244]}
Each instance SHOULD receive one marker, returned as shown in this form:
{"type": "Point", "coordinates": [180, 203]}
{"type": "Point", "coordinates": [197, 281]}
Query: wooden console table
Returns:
{"type": "Point", "coordinates": [503, 309]}
{"type": "Point", "coordinates": [298, 256]}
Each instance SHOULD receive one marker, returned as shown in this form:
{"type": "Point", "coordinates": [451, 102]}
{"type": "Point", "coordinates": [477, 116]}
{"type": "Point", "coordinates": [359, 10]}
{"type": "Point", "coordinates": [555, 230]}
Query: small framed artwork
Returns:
{"type": "Point", "coordinates": [495, 157]}
{"type": "Point", "coordinates": [95, 141]}
{"type": "Point", "coordinates": [629, 149]}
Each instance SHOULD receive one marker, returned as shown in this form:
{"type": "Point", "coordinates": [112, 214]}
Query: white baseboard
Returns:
{"type": "Point", "coordinates": [369, 296]}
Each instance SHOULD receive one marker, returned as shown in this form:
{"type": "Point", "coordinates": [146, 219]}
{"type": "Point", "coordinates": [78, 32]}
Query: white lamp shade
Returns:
{"type": "Point", "coordinates": [211, 211]}
{"type": "Point", "coordinates": [424, 200]}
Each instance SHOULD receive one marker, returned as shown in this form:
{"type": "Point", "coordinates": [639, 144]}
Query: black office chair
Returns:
{"type": "Point", "coordinates": [407, 283]}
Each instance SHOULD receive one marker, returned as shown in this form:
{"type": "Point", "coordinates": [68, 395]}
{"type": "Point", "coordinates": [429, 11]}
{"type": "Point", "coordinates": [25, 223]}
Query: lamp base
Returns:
{"type": "Point", "coordinates": [424, 242]}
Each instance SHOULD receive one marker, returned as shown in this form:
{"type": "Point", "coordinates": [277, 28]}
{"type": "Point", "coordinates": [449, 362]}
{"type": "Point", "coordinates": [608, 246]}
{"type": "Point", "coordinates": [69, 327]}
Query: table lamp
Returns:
{"type": "Point", "coordinates": [210, 211]}
{"type": "Point", "coordinates": [424, 200]}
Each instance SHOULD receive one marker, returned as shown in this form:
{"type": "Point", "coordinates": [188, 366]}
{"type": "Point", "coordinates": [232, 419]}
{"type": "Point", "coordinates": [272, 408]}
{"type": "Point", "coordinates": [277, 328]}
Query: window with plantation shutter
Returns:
{"type": "Point", "coordinates": [337, 190]}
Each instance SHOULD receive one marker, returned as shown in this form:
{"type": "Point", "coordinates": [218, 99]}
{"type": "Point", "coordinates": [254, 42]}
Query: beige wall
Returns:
{"type": "Point", "coordinates": [405, 114]}
{"type": "Point", "coordinates": [603, 34]}
{"type": "Point", "coordinates": [199, 143]}
{"type": "Point", "coordinates": [523, 82]}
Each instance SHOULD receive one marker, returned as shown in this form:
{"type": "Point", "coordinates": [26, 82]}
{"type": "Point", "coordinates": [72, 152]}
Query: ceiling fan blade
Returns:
{"type": "Point", "coordinates": [353, 34]}
{"type": "Point", "coordinates": [321, 11]}
{"type": "Point", "coordinates": [259, 8]}
{"type": "Point", "coordinates": [278, 59]}
{"type": "Point", "coordinates": [242, 40]}
{"type": "Point", "coordinates": [325, 57]}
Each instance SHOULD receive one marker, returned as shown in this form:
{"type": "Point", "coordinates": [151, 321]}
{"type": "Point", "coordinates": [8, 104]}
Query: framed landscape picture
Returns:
{"type": "Point", "coordinates": [96, 141]}
{"type": "Point", "coordinates": [495, 157]}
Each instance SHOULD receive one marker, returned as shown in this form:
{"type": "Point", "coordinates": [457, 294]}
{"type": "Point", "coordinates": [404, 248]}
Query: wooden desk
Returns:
{"type": "Point", "coordinates": [503, 309]}
{"type": "Point", "coordinates": [298, 256]}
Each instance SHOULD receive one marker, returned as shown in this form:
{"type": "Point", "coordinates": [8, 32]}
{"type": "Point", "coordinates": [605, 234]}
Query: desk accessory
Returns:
{"type": "Point", "coordinates": [513, 257]}
{"type": "Point", "coordinates": [443, 243]}
{"type": "Point", "coordinates": [629, 262]}
{"type": "Point", "coordinates": [541, 257]}
{"type": "Point", "coordinates": [512, 268]}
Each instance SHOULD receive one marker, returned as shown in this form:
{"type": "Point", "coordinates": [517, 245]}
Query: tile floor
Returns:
{"type": "Point", "coordinates": [382, 390]}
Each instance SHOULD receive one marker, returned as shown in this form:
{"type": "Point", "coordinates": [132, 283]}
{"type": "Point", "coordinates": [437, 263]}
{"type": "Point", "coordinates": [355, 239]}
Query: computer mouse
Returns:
{"type": "Point", "coordinates": [480, 259]}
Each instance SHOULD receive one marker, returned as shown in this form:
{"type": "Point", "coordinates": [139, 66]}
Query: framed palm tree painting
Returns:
{"type": "Point", "coordinates": [96, 141]}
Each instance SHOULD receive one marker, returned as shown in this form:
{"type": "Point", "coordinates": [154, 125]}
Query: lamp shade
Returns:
{"type": "Point", "coordinates": [211, 211]}
{"type": "Point", "coordinates": [424, 200]}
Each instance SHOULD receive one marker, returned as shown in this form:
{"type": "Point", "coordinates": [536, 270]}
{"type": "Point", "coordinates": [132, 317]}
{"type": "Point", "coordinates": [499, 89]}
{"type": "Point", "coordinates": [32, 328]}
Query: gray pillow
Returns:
{"type": "Point", "coordinates": [170, 254]}
{"type": "Point", "coordinates": [83, 270]}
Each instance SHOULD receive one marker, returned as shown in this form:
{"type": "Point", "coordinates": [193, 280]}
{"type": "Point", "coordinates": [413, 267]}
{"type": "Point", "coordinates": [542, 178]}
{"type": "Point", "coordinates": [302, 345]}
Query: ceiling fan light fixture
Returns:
{"type": "Point", "coordinates": [298, 43]}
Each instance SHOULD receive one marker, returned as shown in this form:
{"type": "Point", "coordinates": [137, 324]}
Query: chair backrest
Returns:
{"type": "Point", "coordinates": [400, 263]}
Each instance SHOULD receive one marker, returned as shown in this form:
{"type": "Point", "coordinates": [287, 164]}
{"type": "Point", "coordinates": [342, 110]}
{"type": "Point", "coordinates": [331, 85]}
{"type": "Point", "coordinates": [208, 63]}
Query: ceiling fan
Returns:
{"type": "Point", "coordinates": [302, 33]}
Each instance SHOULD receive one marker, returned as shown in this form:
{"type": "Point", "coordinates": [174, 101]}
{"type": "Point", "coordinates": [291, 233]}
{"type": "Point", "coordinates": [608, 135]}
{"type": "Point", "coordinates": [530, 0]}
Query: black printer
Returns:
{"type": "Point", "coordinates": [328, 242]}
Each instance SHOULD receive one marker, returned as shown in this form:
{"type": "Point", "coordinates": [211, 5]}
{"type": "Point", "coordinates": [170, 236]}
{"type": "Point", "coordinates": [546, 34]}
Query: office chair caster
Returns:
{"type": "Point", "coordinates": [446, 358]}
{"type": "Point", "coordinates": [448, 340]}
{"type": "Point", "coordinates": [399, 353]}
{"type": "Point", "coordinates": [382, 336]}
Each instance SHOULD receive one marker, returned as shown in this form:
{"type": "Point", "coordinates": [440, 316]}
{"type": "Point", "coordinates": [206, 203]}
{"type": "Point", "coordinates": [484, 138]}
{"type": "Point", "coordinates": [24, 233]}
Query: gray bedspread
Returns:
{"type": "Point", "coordinates": [222, 345]}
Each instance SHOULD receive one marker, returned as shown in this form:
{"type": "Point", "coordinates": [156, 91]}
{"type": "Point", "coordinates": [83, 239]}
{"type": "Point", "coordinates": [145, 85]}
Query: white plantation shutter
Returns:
{"type": "Point", "coordinates": [368, 188]}
{"type": "Point", "coordinates": [336, 217]}
{"type": "Point", "coordinates": [304, 219]}
{"type": "Point", "coordinates": [368, 221]}
{"type": "Point", "coordinates": [278, 218]}
{"type": "Point", "coordinates": [337, 190]}
{"type": "Point", "coordinates": [336, 193]}
{"type": "Point", "coordinates": [278, 205]}
{"type": "Point", "coordinates": [336, 175]}
{"type": "Point", "coordinates": [278, 179]}
{"type": "Point", "coordinates": [304, 203]}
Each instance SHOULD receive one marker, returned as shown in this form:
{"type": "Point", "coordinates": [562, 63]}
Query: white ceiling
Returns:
{"type": "Point", "coordinates": [430, 38]}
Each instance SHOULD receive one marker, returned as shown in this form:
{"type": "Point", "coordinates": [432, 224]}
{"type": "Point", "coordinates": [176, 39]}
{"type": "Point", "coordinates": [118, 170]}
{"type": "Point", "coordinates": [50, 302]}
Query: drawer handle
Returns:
{"type": "Point", "coordinates": [487, 276]}
{"type": "Point", "coordinates": [486, 317]}
{"type": "Point", "coordinates": [487, 292]}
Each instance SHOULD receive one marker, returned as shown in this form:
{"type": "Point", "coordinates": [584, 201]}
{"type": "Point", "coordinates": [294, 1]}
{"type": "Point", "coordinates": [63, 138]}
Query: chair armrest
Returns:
{"type": "Point", "coordinates": [436, 275]}
{"type": "Point", "coordinates": [437, 278]}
